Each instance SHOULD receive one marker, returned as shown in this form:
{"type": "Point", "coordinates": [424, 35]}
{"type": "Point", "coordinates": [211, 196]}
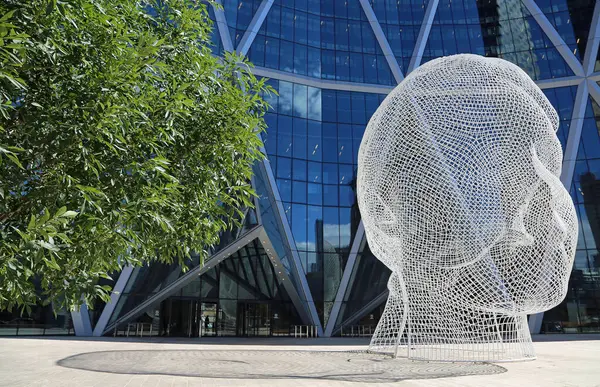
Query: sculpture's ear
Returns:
{"type": "Point", "coordinates": [381, 212]}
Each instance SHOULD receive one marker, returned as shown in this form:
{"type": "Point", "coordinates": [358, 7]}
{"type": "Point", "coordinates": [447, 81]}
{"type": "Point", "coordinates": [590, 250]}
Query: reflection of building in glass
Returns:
{"type": "Point", "coordinates": [331, 67]}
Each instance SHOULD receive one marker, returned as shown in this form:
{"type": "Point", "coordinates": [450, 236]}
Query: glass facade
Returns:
{"type": "Point", "coordinates": [329, 62]}
{"type": "Point", "coordinates": [580, 311]}
{"type": "Point", "coordinates": [321, 39]}
{"type": "Point", "coordinates": [241, 296]}
{"type": "Point", "coordinates": [312, 144]}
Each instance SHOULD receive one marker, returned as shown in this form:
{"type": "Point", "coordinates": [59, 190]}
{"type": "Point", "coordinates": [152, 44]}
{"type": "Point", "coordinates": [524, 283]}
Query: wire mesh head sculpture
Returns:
{"type": "Point", "coordinates": [459, 191]}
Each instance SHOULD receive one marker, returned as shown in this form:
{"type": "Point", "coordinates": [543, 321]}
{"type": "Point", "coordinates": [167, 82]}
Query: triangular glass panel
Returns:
{"type": "Point", "coordinates": [362, 324]}
{"type": "Point", "coordinates": [312, 141]}
{"type": "Point", "coordinates": [401, 22]}
{"type": "Point", "coordinates": [239, 14]}
{"type": "Point", "coordinates": [502, 28]}
{"type": "Point", "coordinates": [572, 21]}
{"type": "Point", "coordinates": [241, 296]}
{"type": "Point", "coordinates": [562, 99]}
{"type": "Point", "coordinates": [368, 281]}
{"type": "Point", "coordinates": [150, 279]}
{"type": "Point", "coordinates": [329, 40]}
{"type": "Point", "coordinates": [271, 220]}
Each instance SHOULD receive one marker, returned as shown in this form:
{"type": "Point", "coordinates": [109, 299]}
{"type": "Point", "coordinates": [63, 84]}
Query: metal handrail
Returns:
{"type": "Point", "coordinates": [305, 331]}
{"type": "Point", "coordinates": [357, 330]}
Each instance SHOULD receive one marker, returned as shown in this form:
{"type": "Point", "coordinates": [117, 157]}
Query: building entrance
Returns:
{"type": "Point", "coordinates": [208, 319]}
{"type": "Point", "coordinates": [254, 319]}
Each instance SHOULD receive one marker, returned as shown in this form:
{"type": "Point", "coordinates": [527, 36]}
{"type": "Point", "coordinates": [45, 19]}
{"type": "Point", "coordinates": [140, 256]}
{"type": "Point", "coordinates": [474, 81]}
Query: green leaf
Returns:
{"type": "Point", "coordinates": [7, 15]}
{"type": "Point", "coordinates": [48, 246]}
{"type": "Point", "coordinates": [31, 224]}
{"type": "Point", "coordinates": [128, 131]}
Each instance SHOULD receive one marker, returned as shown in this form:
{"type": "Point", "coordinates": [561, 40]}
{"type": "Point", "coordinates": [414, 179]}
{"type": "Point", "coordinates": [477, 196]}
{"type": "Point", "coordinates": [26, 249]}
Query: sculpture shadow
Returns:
{"type": "Point", "coordinates": [349, 366]}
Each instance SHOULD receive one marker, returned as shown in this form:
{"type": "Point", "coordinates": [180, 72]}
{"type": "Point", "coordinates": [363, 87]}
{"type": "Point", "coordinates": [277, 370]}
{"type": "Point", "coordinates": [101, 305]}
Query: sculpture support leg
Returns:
{"type": "Point", "coordinates": [389, 333]}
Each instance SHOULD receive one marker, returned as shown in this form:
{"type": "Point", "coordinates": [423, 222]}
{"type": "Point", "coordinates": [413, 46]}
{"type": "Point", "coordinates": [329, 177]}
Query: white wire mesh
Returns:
{"type": "Point", "coordinates": [459, 191]}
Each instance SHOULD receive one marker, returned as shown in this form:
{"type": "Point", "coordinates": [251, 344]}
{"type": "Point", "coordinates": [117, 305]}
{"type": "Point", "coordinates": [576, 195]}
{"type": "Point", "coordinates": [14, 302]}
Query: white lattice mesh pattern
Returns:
{"type": "Point", "coordinates": [459, 190]}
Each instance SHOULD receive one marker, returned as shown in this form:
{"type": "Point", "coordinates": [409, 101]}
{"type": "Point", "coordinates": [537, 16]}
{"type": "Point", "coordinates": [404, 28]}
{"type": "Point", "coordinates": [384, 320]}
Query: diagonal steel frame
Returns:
{"type": "Point", "coordinates": [257, 232]}
{"type": "Point", "coordinates": [346, 277]}
{"type": "Point", "coordinates": [415, 60]}
{"type": "Point", "coordinates": [382, 40]}
{"type": "Point", "coordinates": [254, 27]}
{"type": "Point", "coordinates": [554, 37]}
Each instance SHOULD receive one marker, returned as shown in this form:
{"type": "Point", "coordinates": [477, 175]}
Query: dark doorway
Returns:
{"type": "Point", "coordinates": [254, 319]}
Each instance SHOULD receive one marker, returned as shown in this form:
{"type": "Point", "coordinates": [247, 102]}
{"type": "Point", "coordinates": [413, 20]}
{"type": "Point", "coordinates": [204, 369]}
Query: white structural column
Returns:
{"type": "Point", "coordinates": [568, 167]}
{"type": "Point", "coordinates": [81, 322]}
{"type": "Point", "coordinates": [415, 60]}
{"type": "Point", "coordinates": [222, 26]}
{"type": "Point", "coordinates": [572, 146]}
{"type": "Point", "coordinates": [255, 24]}
{"type": "Point", "coordinates": [382, 40]}
{"type": "Point", "coordinates": [339, 297]}
{"type": "Point", "coordinates": [114, 300]}
{"type": "Point", "coordinates": [554, 37]}
{"type": "Point", "coordinates": [591, 48]}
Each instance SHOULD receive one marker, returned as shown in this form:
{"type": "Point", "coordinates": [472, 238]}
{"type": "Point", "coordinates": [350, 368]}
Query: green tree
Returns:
{"type": "Point", "coordinates": [122, 140]}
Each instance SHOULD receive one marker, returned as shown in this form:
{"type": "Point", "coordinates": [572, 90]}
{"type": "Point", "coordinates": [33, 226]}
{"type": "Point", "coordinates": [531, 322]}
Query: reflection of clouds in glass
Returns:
{"type": "Point", "coordinates": [285, 97]}
{"type": "Point", "coordinates": [300, 101]}
{"type": "Point", "coordinates": [314, 103]}
{"type": "Point", "coordinates": [306, 246]}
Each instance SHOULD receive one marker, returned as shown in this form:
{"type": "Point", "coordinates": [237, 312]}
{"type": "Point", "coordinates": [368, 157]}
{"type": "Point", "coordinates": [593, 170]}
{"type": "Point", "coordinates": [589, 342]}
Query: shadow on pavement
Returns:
{"type": "Point", "coordinates": [350, 366]}
{"type": "Point", "coordinates": [270, 341]}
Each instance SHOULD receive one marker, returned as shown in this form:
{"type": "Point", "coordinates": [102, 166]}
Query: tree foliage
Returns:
{"type": "Point", "coordinates": [122, 141]}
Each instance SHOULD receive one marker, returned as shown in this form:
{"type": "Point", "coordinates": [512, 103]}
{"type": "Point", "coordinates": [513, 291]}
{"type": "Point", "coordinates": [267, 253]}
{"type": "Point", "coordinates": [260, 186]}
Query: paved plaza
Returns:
{"type": "Point", "coordinates": [68, 361]}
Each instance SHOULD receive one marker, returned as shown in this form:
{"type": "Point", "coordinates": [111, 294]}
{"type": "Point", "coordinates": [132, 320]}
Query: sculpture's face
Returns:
{"type": "Point", "coordinates": [459, 189]}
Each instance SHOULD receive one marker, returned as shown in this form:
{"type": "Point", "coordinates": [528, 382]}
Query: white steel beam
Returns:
{"type": "Point", "coordinates": [114, 300]}
{"type": "Point", "coordinates": [344, 283]}
{"type": "Point", "coordinates": [254, 27]}
{"type": "Point", "coordinates": [382, 40]}
{"type": "Point", "coordinates": [591, 48]}
{"type": "Point", "coordinates": [415, 60]}
{"type": "Point", "coordinates": [559, 82]}
{"type": "Point", "coordinates": [554, 37]}
{"type": "Point", "coordinates": [81, 321]}
{"type": "Point", "coordinates": [222, 26]}
{"type": "Point", "coordinates": [295, 258]}
{"type": "Point", "coordinates": [321, 83]}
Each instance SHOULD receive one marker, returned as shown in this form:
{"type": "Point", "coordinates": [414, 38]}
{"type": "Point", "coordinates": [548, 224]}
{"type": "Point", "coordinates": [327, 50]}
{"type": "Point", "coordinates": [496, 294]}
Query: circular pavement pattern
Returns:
{"type": "Point", "coordinates": [356, 366]}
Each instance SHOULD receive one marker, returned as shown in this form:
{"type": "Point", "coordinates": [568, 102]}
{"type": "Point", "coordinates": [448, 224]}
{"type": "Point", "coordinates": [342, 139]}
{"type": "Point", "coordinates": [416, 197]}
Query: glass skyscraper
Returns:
{"type": "Point", "coordinates": [301, 257]}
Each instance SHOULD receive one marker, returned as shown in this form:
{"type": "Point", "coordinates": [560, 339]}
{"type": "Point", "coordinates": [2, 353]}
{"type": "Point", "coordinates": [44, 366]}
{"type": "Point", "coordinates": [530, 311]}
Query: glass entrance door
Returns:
{"type": "Point", "coordinates": [254, 319]}
{"type": "Point", "coordinates": [208, 319]}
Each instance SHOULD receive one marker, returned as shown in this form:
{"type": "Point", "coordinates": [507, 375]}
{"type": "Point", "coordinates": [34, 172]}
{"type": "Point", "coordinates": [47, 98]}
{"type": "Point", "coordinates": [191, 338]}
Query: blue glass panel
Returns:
{"type": "Point", "coordinates": [317, 135]}
{"type": "Point", "coordinates": [314, 141]}
{"type": "Point", "coordinates": [572, 20]}
{"type": "Point", "coordinates": [496, 29]}
{"type": "Point", "coordinates": [330, 173]}
{"type": "Point", "coordinates": [579, 311]}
